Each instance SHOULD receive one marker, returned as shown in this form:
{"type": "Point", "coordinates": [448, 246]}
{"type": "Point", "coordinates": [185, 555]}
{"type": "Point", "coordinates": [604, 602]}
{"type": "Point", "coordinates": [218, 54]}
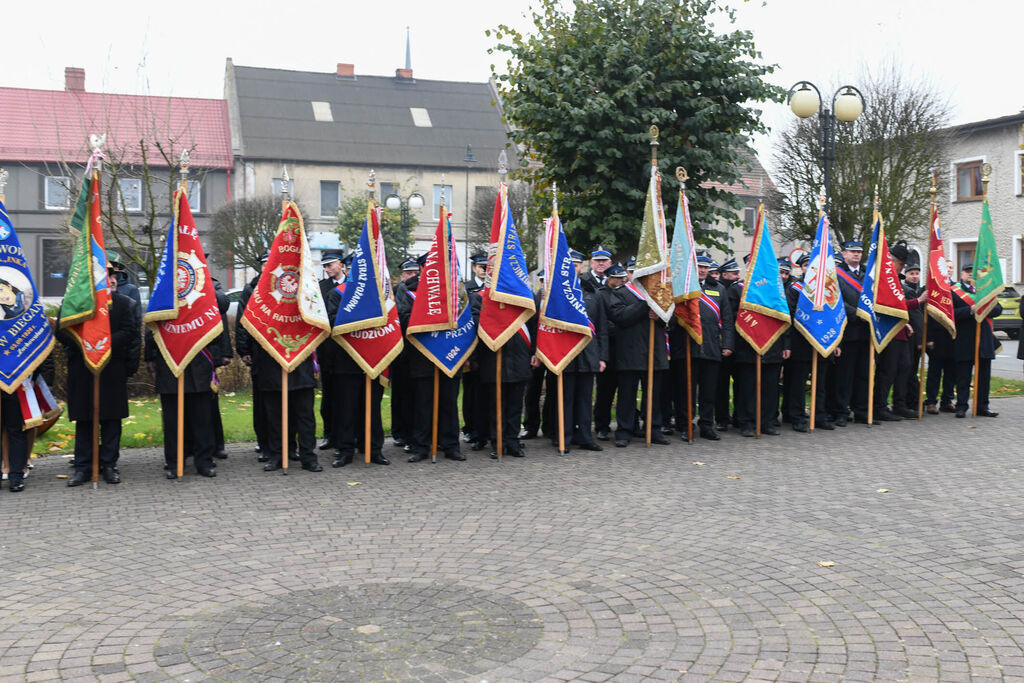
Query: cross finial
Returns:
{"type": "Point", "coordinates": [286, 183]}
{"type": "Point", "coordinates": [371, 184]}
{"type": "Point", "coordinates": [502, 166]}
{"type": "Point", "coordinates": [184, 162]}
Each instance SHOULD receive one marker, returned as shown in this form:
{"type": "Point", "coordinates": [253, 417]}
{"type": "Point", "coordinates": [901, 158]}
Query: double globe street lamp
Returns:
{"type": "Point", "coordinates": [414, 202]}
{"type": "Point", "coordinates": [847, 104]}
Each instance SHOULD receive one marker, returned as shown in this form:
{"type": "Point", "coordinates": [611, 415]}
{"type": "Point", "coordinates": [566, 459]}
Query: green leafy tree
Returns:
{"type": "Point", "coordinates": [902, 135]}
{"type": "Point", "coordinates": [581, 92]}
{"type": "Point", "coordinates": [244, 229]}
{"type": "Point", "coordinates": [352, 215]}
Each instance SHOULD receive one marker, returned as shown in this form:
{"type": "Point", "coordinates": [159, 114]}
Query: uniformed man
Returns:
{"type": "Point", "coordinates": [474, 408]}
{"type": "Point", "coordinates": [786, 275]}
{"type": "Point", "coordinates": [221, 357]}
{"type": "Point", "coordinates": [797, 367]}
{"type": "Point", "coordinates": [728, 277]}
{"type": "Point", "coordinates": [12, 424]}
{"type": "Point", "coordinates": [334, 271]}
{"type": "Point", "coordinates": [852, 366]}
{"type": "Point", "coordinates": [966, 332]}
{"type": "Point", "coordinates": [600, 261]}
{"type": "Point", "coordinates": [578, 375]}
{"type": "Point", "coordinates": [631, 315]}
{"type": "Point", "coordinates": [607, 381]}
{"type": "Point", "coordinates": [125, 348]}
{"type": "Point", "coordinates": [894, 360]}
{"type": "Point", "coordinates": [244, 351]}
{"type": "Point", "coordinates": [402, 395]}
{"type": "Point", "coordinates": [908, 387]}
{"type": "Point", "coordinates": [515, 373]}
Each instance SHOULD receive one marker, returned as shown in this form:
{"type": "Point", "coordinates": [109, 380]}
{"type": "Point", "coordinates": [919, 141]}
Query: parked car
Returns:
{"type": "Point", "coordinates": [1009, 321]}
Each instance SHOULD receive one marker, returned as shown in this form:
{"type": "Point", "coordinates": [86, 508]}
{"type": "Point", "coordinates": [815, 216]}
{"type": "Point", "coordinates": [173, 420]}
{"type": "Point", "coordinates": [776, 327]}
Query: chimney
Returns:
{"type": "Point", "coordinates": [74, 79]}
{"type": "Point", "coordinates": [346, 70]}
{"type": "Point", "coordinates": [403, 74]}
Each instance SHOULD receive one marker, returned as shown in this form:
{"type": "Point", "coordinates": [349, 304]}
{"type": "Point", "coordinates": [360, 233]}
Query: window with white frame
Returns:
{"type": "Point", "coordinates": [330, 198]}
{"type": "Point", "coordinates": [56, 192]}
{"type": "Point", "coordinates": [195, 195]}
{"type": "Point", "coordinates": [437, 198]}
{"type": "Point", "coordinates": [129, 194]}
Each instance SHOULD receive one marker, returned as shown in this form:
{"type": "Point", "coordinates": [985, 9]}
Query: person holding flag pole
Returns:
{"type": "Point", "coordinates": [940, 298]}
{"type": "Point", "coordinates": [507, 312]}
{"type": "Point", "coordinates": [25, 332]}
{"type": "Point", "coordinates": [564, 330]}
{"type": "Point", "coordinates": [442, 336]}
{"type": "Point", "coordinates": [183, 318]}
{"type": "Point", "coordinates": [286, 316]}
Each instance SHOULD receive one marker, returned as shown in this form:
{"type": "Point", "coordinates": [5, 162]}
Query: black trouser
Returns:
{"type": "Point", "coordinates": [852, 378]}
{"type": "Point", "coordinates": [110, 444]}
{"type": "Point", "coordinates": [218, 425]}
{"type": "Point", "coordinates": [963, 383]}
{"type": "Point", "coordinates": [470, 406]}
{"type": "Point", "coordinates": [423, 414]}
{"type": "Point", "coordinates": [626, 414]}
{"type": "Point", "coordinates": [349, 417]}
{"type": "Point", "coordinates": [745, 398]}
{"type": "Point", "coordinates": [941, 370]}
{"type": "Point", "coordinates": [795, 389]}
{"type": "Point", "coordinates": [704, 386]}
{"type": "Point", "coordinates": [886, 366]}
{"type": "Point", "coordinates": [511, 413]}
{"type": "Point", "coordinates": [910, 381]}
{"type": "Point", "coordinates": [259, 425]}
{"type": "Point", "coordinates": [17, 438]}
{"type": "Point", "coordinates": [606, 383]}
{"type": "Point", "coordinates": [198, 428]}
{"type": "Point", "coordinates": [826, 402]}
{"type": "Point", "coordinates": [726, 372]}
{"type": "Point", "coordinates": [901, 395]}
{"type": "Point", "coordinates": [531, 410]}
{"type": "Point", "coordinates": [326, 404]}
{"type": "Point", "coordinates": [402, 407]}
{"type": "Point", "coordinates": [577, 392]}
{"type": "Point", "coordinates": [301, 425]}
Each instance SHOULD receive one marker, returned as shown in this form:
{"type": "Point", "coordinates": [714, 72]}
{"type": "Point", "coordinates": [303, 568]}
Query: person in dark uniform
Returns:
{"type": "Point", "coordinates": [349, 403]}
{"type": "Point", "coordinates": [728, 277]}
{"type": "Point", "coordinates": [515, 373]}
{"type": "Point", "coordinates": [600, 261]}
{"type": "Point", "coordinates": [852, 378]}
{"type": "Point", "coordinates": [474, 413]}
{"type": "Point", "coordinates": [631, 315]}
{"type": "Point", "coordinates": [966, 331]}
{"type": "Point", "coordinates": [221, 357]}
{"type": "Point", "coordinates": [537, 418]}
{"type": "Point", "coordinates": [243, 347]}
{"type": "Point", "coordinates": [797, 367]}
{"type": "Point", "coordinates": [125, 348]}
{"type": "Point", "coordinates": [125, 287]}
{"type": "Point", "coordinates": [785, 274]}
{"type": "Point", "coordinates": [334, 269]}
{"type": "Point", "coordinates": [420, 371]}
{"type": "Point", "coordinates": [907, 387]}
{"type": "Point", "coordinates": [893, 365]}
{"type": "Point", "coordinates": [402, 406]}
{"type": "Point", "coordinates": [606, 381]}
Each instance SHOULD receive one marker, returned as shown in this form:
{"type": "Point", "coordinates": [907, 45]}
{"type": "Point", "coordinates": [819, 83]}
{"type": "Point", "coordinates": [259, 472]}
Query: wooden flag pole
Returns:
{"type": "Point", "coordinates": [689, 393]}
{"type": "Point", "coordinates": [650, 382]}
{"type": "Point", "coordinates": [497, 402]}
{"type": "Point", "coordinates": [974, 382]}
{"type": "Point", "coordinates": [96, 428]}
{"type": "Point", "coordinates": [366, 423]}
{"type": "Point", "coordinates": [284, 421]}
{"type": "Point", "coordinates": [757, 400]}
{"type": "Point", "coordinates": [920, 372]}
{"type": "Point", "coordinates": [561, 416]}
{"type": "Point", "coordinates": [181, 425]}
{"type": "Point", "coordinates": [433, 426]}
{"type": "Point", "coordinates": [814, 388]}
{"type": "Point", "coordinates": [871, 384]}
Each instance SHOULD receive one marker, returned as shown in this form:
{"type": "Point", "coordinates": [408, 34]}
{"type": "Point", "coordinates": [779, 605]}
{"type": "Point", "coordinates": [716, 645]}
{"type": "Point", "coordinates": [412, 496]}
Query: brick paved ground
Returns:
{"type": "Point", "coordinates": [624, 565]}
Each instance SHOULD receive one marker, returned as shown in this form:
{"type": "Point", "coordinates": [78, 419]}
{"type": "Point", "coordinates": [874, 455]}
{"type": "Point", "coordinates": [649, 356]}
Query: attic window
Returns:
{"type": "Point", "coordinates": [420, 117]}
{"type": "Point", "coordinates": [322, 111]}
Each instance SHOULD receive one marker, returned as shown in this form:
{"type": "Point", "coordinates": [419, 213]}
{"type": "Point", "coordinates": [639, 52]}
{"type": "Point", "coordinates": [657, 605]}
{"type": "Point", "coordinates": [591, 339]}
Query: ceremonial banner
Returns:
{"type": "Point", "coordinates": [820, 315]}
{"type": "Point", "coordinates": [882, 302]}
{"type": "Point", "coordinates": [442, 334]}
{"type": "Point", "coordinates": [373, 342]}
{"type": "Point", "coordinates": [182, 310]}
{"type": "Point", "coordinates": [564, 328]}
{"type": "Point", "coordinates": [507, 298]}
{"type": "Point", "coordinates": [988, 274]}
{"type": "Point", "coordinates": [25, 335]}
{"type": "Point", "coordinates": [85, 311]}
{"type": "Point", "coordinates": [763, 313]}
{"type": "Point", "coordinates": [940, 301]}
{"type": "Point", "coordinates": [286, 312]}
{"type": "Point", "coordinates": [37, 402]}
{"type": "Point", "coordinates": [651, 274]}
{"type": "Point", "coordinates": [686, 287]}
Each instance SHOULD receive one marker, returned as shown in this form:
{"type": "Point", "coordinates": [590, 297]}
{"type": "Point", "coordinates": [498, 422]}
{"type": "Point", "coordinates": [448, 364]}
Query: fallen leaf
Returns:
{"type": "Point", "coordinates": [138, 435]}
{"type": "Point", "coordinates": [353, 483]}
{"type": "Point", "coordinates": [698, 463]}
{"type": "Point", "coordinates": [826, 563]}
{"type": "Point", "coordinates": [732, 476]}
{"type": "Point", "coordinates": [62, 476]}
{"type": "Point", "coordinates": [972, 427]}
{"type": "Point", "coordinates": [882, 491]}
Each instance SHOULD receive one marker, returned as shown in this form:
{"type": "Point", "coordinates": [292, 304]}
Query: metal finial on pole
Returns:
{"type": "Point", "coordinates": [986, 174]}
{"type": "Point", "coordinates": [185, 163]}
{"type": "Point", "coordinates": [554, 195]}
{"type": "Point", "coordinates": [502, 166]}
{"type": "Point", "coordinates": [876, 198]}
{"type": "Point", "coordinates": [821, 203]}
{"type": "Point", "coordinates": [96, 142]}
{"type": "Point", "coordinates": [935, 179]}
{"type": "Point", "coordinates": [371, 184]}
{"type": "Point", "coordinates": [682, 176]}
{"type": "Point", "coordinates": [443, 193]}
{"type": "Point", "coordinates": [653, 132]}
{"type": "Point", "coordinates": [286, 183]}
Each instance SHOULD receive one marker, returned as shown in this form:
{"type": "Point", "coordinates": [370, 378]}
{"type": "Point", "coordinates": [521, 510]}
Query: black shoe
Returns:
{"type": "Point", "coordinates": [659, 439]}
{"type": "Point", "coordinates": [709, 434]}
{"type": "Point", "coordinates": [528, 434]}
{"type": "Point", "coordinates": [416, 457]}
{"type": "Point", "coordinates": [515, 451]}
{"type": "Point", "coordinates": [378, 459]}
{"type": "Point", "coordinates": [565, 452]}
{"type": "Point", "coordinates": [326, 445]}
{"type": "Point", "coordinates": [407, 448]}
{"type": "Point", "coordinates": [170, 474]}
{"type": "Point", "coordinates": [947, 408]}
{"type": "Point", "coordinates": [889, 416]}
{"type": "Point", "coordinates": [210, 472]}
{"type": "Point", "coordinates": [221, 455]}
{"type": "Point", "coordinates": [907, 413]}
{"type": "Point", "coordinates": [591, 446]}
{"type": "Point", "coordinates": [602, 435]}
{"type": "Point", "coordinates": [16, 485]}
{"type": "Point", "coordinates": [987, 413]}
{"type": "Point", "coordinates": [110, 475]}
{"type": "Point", "coordinates": [621, 443]}
{"type": "Point", "coordinates": [747, 432]}
{"type": "Point", "coordinates": [455, 455]}
{"type": "Point", "coordinates": [770, 431]}
{"type": "Point", "coordinates": [257, 450]}
{"type": "Point", "coordinates": [961, 413]}
{"type": "Point", "coordinates": [313, 466]}
{"type": "Point", "coordinates": [799, 426]}
{"type": "Point", "coordinates": [722, 427]}
{"type": "Point", "coordinates": [272, 467]}
{"type": "Point", "coordinates": [841, 421]}
{"type": "Point", "coordinates": [399, 441]}
{"type": "Point", "coordinates": [667, 431]}
{"type": "Point", "coordinates": [863, 420]}
{"type": "Point", "coordinates": [78, 478]}
{"type": "Point", "coordinates": [263, 457]}
{"type": "Point", "coordinates": [824, 424]}
{"type": "Point", "coordinates": [342, 460]}
{"type": "Point", "coordinates": [479, 446]}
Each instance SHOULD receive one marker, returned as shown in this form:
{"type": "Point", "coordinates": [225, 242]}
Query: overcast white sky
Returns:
{"type": "Point", "coordinates": [972, 52]}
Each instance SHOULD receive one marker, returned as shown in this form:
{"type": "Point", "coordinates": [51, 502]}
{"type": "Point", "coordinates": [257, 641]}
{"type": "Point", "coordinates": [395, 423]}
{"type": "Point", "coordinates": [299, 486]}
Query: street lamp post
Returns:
{"type": "Point", "coordinates": [413, 202]}
{"type": "Point", "coordinates": [847, 104]}
{"type": "Point", "coordinates": [470, 159]}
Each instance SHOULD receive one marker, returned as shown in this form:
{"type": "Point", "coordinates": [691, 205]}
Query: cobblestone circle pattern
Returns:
{"type": "Point", "coordinates": [864, 554]}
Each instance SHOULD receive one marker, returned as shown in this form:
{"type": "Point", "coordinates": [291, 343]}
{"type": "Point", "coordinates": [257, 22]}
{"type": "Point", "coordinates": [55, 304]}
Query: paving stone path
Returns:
{"type": "Point", "coordinates": [884, 553]}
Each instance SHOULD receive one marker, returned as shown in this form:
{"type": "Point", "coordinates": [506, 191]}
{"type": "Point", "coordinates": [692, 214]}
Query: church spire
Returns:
{"type": "Point", "coordinates": [408, 51]}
